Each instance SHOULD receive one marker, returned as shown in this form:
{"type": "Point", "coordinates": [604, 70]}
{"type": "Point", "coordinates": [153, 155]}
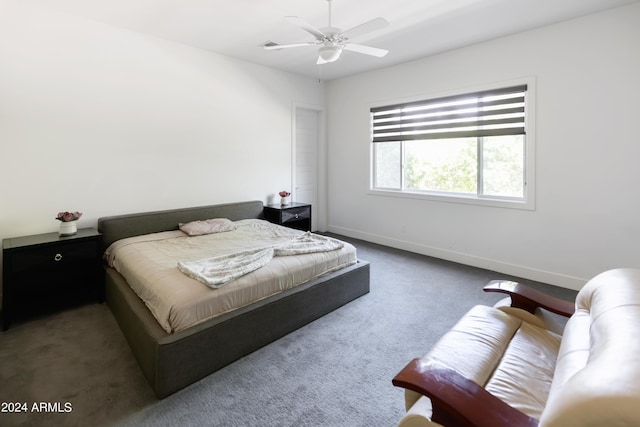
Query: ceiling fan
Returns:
{"type": "Point", "coordinates": [333, 40]}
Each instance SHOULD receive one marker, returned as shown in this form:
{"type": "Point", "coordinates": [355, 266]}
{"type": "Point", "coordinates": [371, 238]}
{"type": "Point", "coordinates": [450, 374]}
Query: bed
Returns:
{"type": "Point", "coordinates": [171, 360]}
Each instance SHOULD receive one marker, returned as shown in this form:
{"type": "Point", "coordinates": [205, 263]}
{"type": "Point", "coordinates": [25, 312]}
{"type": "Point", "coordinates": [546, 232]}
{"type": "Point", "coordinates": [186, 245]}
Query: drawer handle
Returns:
{"type": "Point", "coordinates": [58, 257]}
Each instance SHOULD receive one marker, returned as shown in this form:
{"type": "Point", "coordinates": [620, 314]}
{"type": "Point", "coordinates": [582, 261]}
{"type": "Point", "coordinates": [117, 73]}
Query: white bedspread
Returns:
{"type": "Point", "coordinates": [220, 270]}
{"type": "Point", "coordinates": [149, 263]}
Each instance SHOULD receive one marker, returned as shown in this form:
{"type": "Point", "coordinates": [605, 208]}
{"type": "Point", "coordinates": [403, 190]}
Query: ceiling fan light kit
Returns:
{"type": "Point", "coordinates": [332, 40]}
{"type": "Point", "coordinates": [328, 54]}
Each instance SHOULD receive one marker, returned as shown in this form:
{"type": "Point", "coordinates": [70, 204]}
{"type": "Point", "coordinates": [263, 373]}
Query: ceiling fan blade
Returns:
{"type": "Point", "coordinates": [367, 50]}
{"type": "Point", "coordinates": [276, 46]}
{"type": "Point", "coordinates": [367, 27]}
{"type": "Point", "coordinates": [295, 20]}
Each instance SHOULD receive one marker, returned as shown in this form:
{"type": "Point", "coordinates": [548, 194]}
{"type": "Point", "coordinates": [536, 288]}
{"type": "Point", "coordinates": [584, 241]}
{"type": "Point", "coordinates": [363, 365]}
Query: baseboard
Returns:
{"type": "Point", "coordinates": [525, 272]}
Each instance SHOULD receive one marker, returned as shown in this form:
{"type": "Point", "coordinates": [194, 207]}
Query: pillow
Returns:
{"type": "Point", "coordinates": [209, 226]}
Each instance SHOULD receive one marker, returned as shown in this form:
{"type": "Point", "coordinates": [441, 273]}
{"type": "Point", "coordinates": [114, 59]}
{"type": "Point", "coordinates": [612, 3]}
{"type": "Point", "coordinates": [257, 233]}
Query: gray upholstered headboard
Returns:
{"type": "Point", "coordinates": [121, 226]}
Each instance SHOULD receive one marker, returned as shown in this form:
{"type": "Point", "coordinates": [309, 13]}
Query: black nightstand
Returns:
{"type": "Point", "coordinates": [293, 215]}
{"type": "Point", "coordinates": [45, 272]}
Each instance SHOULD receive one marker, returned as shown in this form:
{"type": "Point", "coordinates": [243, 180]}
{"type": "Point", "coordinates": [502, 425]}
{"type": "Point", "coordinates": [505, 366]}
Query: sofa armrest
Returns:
{"type": "Point", "coordinates": [529, 299]}
{"type": "Point", "coordinates": [458, 401]}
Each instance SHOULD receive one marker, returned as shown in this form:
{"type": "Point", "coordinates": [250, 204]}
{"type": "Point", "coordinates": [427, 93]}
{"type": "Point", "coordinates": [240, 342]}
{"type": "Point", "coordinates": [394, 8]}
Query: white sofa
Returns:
{"type": "Point", "coordinates": [509, 366]}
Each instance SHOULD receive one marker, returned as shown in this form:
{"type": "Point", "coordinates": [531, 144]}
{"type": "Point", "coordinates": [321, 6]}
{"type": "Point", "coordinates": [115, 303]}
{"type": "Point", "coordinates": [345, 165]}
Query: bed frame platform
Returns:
{"type": "Point", "coordinates": [173, 361]}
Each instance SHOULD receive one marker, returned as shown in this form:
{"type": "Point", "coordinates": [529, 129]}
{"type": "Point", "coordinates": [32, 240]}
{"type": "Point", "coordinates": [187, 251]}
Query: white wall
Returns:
{"type": "Point", "coordinates": [587, 196]}
{"type": "Point", "coordinates": [107, 121]}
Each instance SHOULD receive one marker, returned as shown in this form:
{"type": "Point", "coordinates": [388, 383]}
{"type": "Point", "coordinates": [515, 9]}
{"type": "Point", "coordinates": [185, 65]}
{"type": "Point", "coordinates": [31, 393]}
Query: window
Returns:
{"type": "Point", "coordinates": [468, 146]}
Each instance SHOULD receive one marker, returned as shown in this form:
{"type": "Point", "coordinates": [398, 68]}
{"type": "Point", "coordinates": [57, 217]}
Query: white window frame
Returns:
{"type": "Point", "coordinates": [527, 202]}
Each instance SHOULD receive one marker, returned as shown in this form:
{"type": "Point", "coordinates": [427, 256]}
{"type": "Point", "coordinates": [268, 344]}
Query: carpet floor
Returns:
{"type": "Point", "coordinates": [74, 367]}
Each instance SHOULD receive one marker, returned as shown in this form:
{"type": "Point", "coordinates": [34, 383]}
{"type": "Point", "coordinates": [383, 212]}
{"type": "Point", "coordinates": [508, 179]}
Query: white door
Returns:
{"type": "Point", "coordinates": [307, 133]}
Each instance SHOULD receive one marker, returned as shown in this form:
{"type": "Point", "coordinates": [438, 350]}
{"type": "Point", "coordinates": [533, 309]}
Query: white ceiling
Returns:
{"type": "Point", "coordinates": [417, 28]}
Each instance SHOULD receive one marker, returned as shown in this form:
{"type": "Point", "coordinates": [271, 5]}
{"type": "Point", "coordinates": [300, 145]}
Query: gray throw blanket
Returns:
{"type": "Point", "coordinates": [218, 271]}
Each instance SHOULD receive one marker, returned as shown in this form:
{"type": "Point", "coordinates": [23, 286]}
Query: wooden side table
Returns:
{"type": "Point", "coordinates": [44, 272]}
{"type": "Point", "coordinates": [293, 215]}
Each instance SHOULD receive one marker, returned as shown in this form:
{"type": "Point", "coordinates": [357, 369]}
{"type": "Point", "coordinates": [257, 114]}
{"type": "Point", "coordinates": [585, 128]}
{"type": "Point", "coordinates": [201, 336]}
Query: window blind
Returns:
{"type": "Point", "coordinates": [486, 113]}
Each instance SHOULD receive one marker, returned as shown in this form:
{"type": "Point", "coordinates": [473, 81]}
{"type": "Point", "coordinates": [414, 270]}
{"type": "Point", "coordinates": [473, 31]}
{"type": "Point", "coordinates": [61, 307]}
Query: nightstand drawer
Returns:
{"type": "Point", "coordinates": [295, 214]}
{"type": "Point", "coordinates": [54, 257]}
{"type": "Point", "coordinates": [45, 272]}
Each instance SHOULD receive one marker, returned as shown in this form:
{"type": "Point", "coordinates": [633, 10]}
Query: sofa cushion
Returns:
{"type": "Point", "coordinates": [511, 358]}
{"type": "Point", "coordinates": [524, 374]}
{"type": "Point", "coordinates": [475, 344]}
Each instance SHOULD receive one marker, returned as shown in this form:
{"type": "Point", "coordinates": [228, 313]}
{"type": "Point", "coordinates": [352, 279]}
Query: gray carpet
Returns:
{"type": "Point", "coordinates": [335, 371]}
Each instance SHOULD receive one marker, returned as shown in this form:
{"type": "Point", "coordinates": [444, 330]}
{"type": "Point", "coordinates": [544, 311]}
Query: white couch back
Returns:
{"type": "Point", "coordinates": [597, 377]}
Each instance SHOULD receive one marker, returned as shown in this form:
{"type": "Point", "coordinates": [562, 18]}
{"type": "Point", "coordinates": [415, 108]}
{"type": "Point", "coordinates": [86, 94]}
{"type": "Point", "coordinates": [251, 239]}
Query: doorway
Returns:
{"type": "Point", "coordinates": [308, 162]}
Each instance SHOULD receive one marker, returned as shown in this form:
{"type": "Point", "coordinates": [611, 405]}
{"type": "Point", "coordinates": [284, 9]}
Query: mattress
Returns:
{"type": "Point", "coordinates": [149, 263]}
